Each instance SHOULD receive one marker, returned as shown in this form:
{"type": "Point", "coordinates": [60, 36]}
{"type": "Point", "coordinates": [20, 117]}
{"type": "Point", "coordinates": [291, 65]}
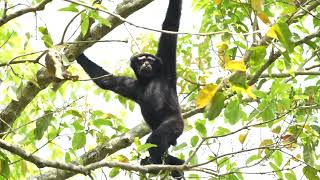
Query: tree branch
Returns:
{"type": "Point", "coordinates": [14, 108]}
{"type": "Point", "coordinates": [21, 12]}
{"type": "Point", "coordinates": [284, 75]}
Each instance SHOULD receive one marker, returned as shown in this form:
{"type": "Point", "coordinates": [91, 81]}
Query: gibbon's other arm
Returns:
{"type": "Point", "coordinates": [168, 42]}
{"type": "Point", "coordinates": [123, 86]}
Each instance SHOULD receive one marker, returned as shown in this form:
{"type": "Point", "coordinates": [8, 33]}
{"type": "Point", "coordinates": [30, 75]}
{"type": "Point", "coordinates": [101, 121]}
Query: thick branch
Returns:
{"type": "Point", "coordinates": [21, 12]}
{"type": "Point", "coordinates": [107, 148]}
{"type": "Point", "coordinates": [28, 93]}
{"type": "Point", "coordinates": [276, 55]}
{"type": "Point", "coordinates": [284, 75]}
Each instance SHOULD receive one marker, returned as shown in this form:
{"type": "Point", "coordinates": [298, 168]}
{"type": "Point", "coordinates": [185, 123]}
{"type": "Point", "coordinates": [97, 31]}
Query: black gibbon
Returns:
{"type": "Point", "coordinates": [154, 89]}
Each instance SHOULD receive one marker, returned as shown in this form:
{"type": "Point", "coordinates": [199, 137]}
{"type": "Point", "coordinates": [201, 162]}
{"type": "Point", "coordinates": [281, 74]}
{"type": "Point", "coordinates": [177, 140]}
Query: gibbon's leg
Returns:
{"type": "Point", "coordinates": [164, 136]}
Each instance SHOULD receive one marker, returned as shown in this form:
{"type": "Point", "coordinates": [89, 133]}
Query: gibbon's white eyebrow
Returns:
{"type": "Point", "coordinates": [142, 57]}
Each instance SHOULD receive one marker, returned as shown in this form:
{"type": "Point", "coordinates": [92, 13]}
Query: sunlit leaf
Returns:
{"type": "Point", "coordinates": [264, 143]}
{"type": "Point", "coordinates": [42, 124]}
{"type": "Point", "coordinates": [234, 65]}
{"type": "Point", "coordinates": [46, 37]}
{"type": "Point", "coordinates": [232, 113]}
{"type": "Point", "coordinates": [243, 136]}
{"type": "Point", "coordinates": [290, 176]}
{"type": "Point", "coordinates": [310, 173]}
{"type": "Point", "coordinates": [215, 107]}
{"type": "Point", "coordinates": [79, 140]}
{"type": "Point", "coordinates": [252, 158]}
{"type": "Point", "coordinates": [122, 158]}
{"type": "Point", "coordinates": [24, 167]}
{"type": "Point", "coordinates": [205, 95]}
{"type": "Point", "coordinates": [264, 18]}
{"type": "Point", "coordinates": [114, 172]}
{"type": "Point", "coordinates": [277, 156]}
{"type": "Point", "coordinates": [145, 147]}
{"type": "Point", "coordinates": [217, 2]}
{"type": "Point", "coordinates": [194, 141]}
{"type": "Point", "coordinates": [309, 154]}
{"type": "Point", "coordinates": [70, 8]}
{"type": "Point", "coordinates": [257, 5]}
{"type": "Point", "coordinates": [221, 131]}
{"type": "Point", "coordinates": [284, 35]}
{"type": "Point", "coordinates": [84, 24]}
{"type": "Point", "coordinates": [102, 122]}
{"type": "Point", "coordinates": [201, 128]}
{"type": "Point", "coordinates": [276, 169]}
{"type": "Point", "coordinates": [272, 33]}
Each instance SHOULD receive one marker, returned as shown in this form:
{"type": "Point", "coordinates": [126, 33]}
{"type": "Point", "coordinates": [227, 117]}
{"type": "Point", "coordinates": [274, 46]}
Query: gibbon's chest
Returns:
{"type": "Point", "coordinates": [155, 94]}
{"type": "Point", "coordinates": [155, 102]}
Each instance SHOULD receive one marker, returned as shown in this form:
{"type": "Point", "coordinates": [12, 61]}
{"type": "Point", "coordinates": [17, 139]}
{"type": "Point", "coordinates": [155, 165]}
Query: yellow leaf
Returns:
{"type": "Point", "coordinates": [264, 18]}
{"type": "Point", "coordinates": [257, 5]}
{"type": "Point", "coordinates": [222, 46]}
{"type": "Point", "coordinates": [122, 158]}
{"type": "Point", "coordinates": [234, 65]}
{"type": "Point", "coordinates": [242, 137]}
{"type": "Point", "coordinates": [242, 90]}
{"type": "Point", "coordinates": [217, 2]}
{"type": "Point", "coordinates": [206, 94]}
{"type": "Point", "coordinates": [250, 93]}
{"type": "Point", "coordinates": [272, 33]}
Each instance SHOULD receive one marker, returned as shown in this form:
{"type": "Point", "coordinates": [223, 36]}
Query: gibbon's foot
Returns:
{"type": "Point", "coordinates": [147, 161]}
{"type": "Point", "coordinates": [170, 160]}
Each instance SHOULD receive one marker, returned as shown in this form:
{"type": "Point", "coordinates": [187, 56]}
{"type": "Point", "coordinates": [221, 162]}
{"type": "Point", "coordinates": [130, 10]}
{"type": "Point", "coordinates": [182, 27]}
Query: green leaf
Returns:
{"type": "Point", "coordinates": [70, 8]}
{"type": "Point", "coordinates": [102, 122]}
{"type": "Point", "coordinates": [277, 156]}
{"type": "Point", "coordinates": [232, 113]}
{"type": "Point", "coordinates": [194, 159]}
{"type": "Point", "coordinates": [73, 113]}
{"type": "Point", "coordinates": [79, 140]}
{"type": "Point", "coordinates": [46, 37]}
{"type": "Point", "coordinates": [201, 128]}
{"type": "Point", "coordinates": [310, 173]}
{"type": "Point", "coordinates": [84, 24]}
{"type": "Point", "coordinates": [276, 169]}
{"type": "Point", "coordinates": [215, 107]}
{"type": "Point", "coordinates": [42, 124]}
{"type": "Point", "coordinates": [4, 165]}
{"type": "Point", "coordinates": [67, 157]}
{"type": "Point", "coordinates": [252, 158]}
{"type": "Point", "coordinates": [308, 154]}
{"type": "Point", "coordinates": [221, 131]}
{"type": "Point", "coordinates": [145, 147]}
{"type": "Point", "coordinates": [180, 146]}
{"type": "Point", "coordinates": [101, 20]}
{"type": "Point", "coordinates": [194, 141]}
{"type": "Point", "coordinates": [114, 172]}
{"type": "Point", "coordinates": [284, 35]}
{"type": "Point", "coordinates": [290, 176]}
{"type": "Point", "coordinates": [24, 167]}
{"type": "Point", "coordinates": [194, 176]}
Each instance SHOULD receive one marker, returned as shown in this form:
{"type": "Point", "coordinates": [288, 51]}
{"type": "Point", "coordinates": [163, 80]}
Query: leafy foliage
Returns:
{"type": "Point", "coordinates": [252, 87]}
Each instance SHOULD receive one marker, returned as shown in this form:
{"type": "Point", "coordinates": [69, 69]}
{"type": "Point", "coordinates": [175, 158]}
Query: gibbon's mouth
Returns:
{"type": "Point", "coordinates": [146, 68]}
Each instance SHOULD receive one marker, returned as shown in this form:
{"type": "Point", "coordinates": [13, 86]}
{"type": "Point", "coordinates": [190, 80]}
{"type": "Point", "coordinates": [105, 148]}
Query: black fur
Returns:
{"type": "Point", "coordinates": [154, 89]}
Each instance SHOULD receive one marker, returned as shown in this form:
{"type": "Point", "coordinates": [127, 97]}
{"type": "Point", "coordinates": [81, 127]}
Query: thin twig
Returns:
{"type": "Point", "coordinates": [21, 12]}
{"type": "Point", "coordinates": [158, 30]}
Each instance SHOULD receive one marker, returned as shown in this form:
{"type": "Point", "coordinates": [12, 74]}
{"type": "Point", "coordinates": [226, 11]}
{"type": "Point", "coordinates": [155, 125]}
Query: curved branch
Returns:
{"type": "Point", "coordinates": [14, 108]}
{"type": "Point", "coordinates": [21, 12]}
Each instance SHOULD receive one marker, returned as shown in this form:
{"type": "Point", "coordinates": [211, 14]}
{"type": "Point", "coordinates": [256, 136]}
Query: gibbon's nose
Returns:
{"type": "Point", "coordinates": [146, 66]}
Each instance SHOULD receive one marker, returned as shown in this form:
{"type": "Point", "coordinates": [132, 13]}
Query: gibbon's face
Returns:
{"type": "Point", "coordinates": [145, 65]}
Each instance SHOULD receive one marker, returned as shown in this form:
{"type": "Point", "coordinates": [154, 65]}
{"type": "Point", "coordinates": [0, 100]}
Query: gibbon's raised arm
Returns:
{"type": "Point", "coordinates": [168, 42]}
{"type": "Point", "coordinates": [124, 86]}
